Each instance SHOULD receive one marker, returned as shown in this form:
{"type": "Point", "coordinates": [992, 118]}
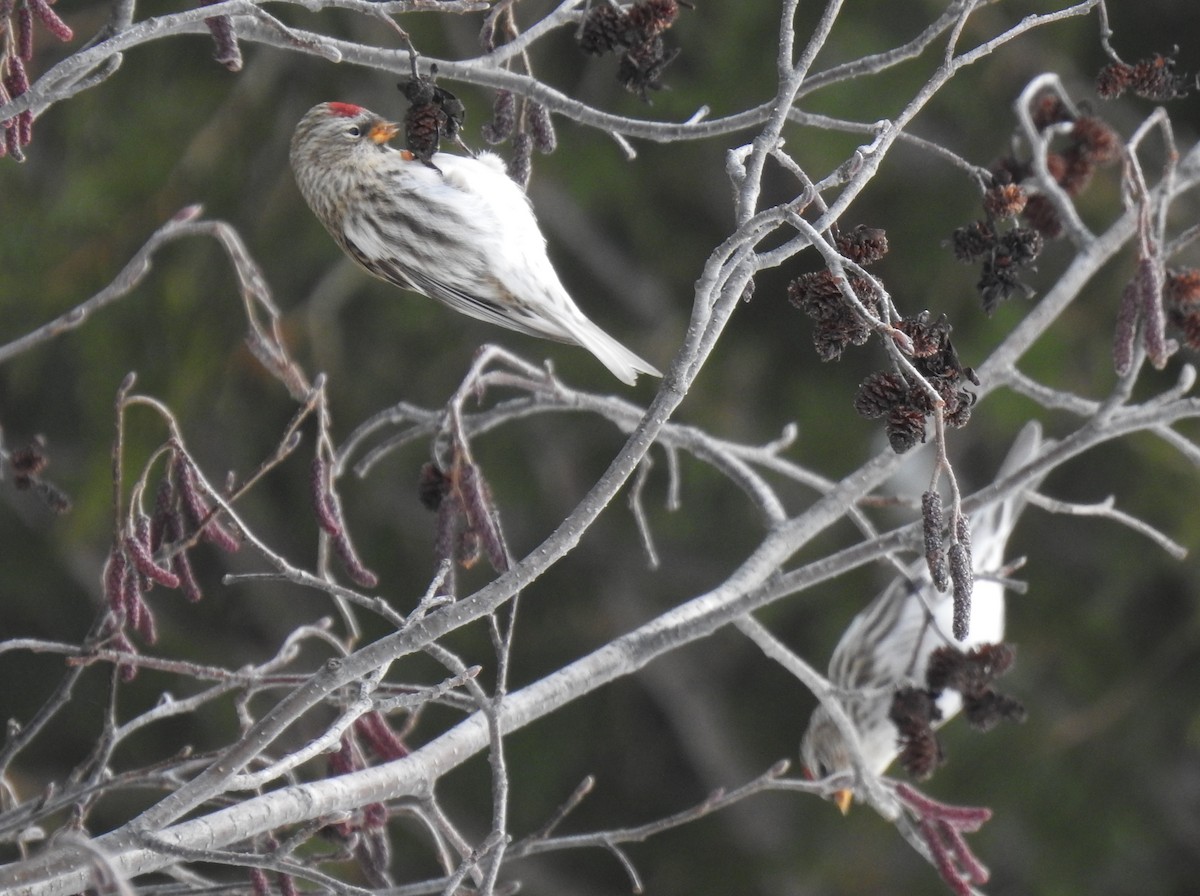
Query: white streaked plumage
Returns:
{"type": "Point", "coordinates": [888, 644]}
{"type": "Point", "coordinates": [458, 230]}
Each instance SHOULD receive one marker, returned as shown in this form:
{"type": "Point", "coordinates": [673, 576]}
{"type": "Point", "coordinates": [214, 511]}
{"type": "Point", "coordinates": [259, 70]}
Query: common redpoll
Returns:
{"type": "Point", "coordinates": [457, 230]}
{"type": "Point", "coordinates": [887, 646]}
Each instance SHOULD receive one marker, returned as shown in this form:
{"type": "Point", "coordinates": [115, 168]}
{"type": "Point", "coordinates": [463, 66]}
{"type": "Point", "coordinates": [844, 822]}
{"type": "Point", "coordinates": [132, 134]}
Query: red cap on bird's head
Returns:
{"type": "Point", "coordinates": [349, 110]}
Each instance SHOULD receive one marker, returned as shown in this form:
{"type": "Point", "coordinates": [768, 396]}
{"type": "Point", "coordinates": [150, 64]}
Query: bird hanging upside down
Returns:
{"type": "Point", "coordinates": [456, 229]}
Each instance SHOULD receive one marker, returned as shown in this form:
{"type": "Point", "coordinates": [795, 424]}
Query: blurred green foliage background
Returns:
{"type": "Point", "coordinates": [1098, 792]}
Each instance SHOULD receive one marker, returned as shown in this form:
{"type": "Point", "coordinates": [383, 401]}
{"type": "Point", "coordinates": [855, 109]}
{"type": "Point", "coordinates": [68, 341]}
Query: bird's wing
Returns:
{"type": "Point", "coordinates": [513, 236]}
{"type": "Point", "coordinates": [481, 298]}
{"type": "Point", "coordinates": [899, 629]}
{"type": "Point", "coordinates": [471, 209]}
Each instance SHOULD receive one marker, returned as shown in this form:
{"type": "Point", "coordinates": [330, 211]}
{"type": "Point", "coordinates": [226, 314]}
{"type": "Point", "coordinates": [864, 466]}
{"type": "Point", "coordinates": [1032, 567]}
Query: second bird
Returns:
{"type": "Point", "coordinates": [459, 230]}
{"type": "Point", "coordinates": [887, 646]}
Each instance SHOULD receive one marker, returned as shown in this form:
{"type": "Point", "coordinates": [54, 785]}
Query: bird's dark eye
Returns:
{"type": "Point", "coordinates": [817, 771]}
{"type": "Point", "coordinates": [354, 131]}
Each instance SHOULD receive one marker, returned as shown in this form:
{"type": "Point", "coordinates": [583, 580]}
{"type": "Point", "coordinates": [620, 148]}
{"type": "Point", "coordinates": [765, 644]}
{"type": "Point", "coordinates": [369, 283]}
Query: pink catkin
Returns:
{"type": "Point", "coordinates": [324, 504]}
{"type": "Point", "coordinates": [114, 579]}
{"type": "Point", "coordinates": [259, 883]}
{"type": "Point", "coordinates": [376, 731]}
{"type": "Point", "coordinates": [1125, 332]}
{"type": "Point", "coordinates": [942, 858]}
{"type": "Point", "coordinates": [145, 564]}
{"type": "Point", "coordinates": [973, 869]}
{"type": "Point", "coordinates": [351, 563]}
{"type": "Point", "coordinates": [17, 79]}
{"type": "Point", "coordinates": [25, 33]}
{"type": "Point", "coordinates": [1154, 322]}
{"type": "Point", "coordinates": [198, 507]}
{"type": "Point", "coordinates": [49, 18]}
{"type": "Point", "coordinates": [227, 52]}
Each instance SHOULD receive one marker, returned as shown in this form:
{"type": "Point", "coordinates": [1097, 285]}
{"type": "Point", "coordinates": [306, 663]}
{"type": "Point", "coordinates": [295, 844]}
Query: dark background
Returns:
{"type": "Point", "coordinates": [1098, 792]}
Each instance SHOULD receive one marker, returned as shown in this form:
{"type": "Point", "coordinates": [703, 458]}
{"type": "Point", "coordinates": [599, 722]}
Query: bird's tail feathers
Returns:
{"type": "Point", "coordinates": [992, 526]}
{"type": "Point", "coordinates": [624, 364]}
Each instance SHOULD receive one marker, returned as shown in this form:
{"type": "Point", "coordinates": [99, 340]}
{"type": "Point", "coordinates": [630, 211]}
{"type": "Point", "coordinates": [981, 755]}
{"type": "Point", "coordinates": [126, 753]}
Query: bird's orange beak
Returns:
{"type": "Point", "coordinates": [844, 798]}
{"type": "Point", "coordinates": [383, 131]}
